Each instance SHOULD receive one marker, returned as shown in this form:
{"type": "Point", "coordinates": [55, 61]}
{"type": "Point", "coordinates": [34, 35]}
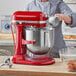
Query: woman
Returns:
{"type": "Point", "coordinates": [62, 11]}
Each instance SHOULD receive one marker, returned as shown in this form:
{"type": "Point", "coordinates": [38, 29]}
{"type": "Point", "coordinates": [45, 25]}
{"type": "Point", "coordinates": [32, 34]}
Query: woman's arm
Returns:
{"type": "Point", "coordinates": [67, 19]}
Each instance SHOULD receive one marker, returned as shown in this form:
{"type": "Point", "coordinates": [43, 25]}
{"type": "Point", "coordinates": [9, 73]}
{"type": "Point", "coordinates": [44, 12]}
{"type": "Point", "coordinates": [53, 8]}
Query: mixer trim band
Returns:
{"type": "Point", "coordinates": [24, 16]}
{"type": "Point", "coordinates": [39, 22]}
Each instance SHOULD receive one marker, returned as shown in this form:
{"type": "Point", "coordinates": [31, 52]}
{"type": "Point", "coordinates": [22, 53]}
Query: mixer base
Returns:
{"type": "Point", "coordinates": [40, 61]}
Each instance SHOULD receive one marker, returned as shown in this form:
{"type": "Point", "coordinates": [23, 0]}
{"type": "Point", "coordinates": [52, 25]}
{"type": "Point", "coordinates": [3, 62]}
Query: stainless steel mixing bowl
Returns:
{"type": "Point", "coordinates": [44, 38]}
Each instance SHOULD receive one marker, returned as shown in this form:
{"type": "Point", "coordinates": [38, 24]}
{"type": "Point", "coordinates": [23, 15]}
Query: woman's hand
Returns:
{"type": "Point", "coordinates": [65, 18]}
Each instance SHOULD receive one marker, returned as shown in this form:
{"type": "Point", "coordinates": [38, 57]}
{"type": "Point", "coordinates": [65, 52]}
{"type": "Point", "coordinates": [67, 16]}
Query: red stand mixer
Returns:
{"type": "Point", "coordinates": [32, 38]}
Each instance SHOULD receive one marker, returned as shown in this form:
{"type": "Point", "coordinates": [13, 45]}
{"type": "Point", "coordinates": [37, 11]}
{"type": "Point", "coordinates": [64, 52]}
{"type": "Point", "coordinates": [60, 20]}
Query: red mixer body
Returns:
{"type": "Point", "coordinates": [19, 20]}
